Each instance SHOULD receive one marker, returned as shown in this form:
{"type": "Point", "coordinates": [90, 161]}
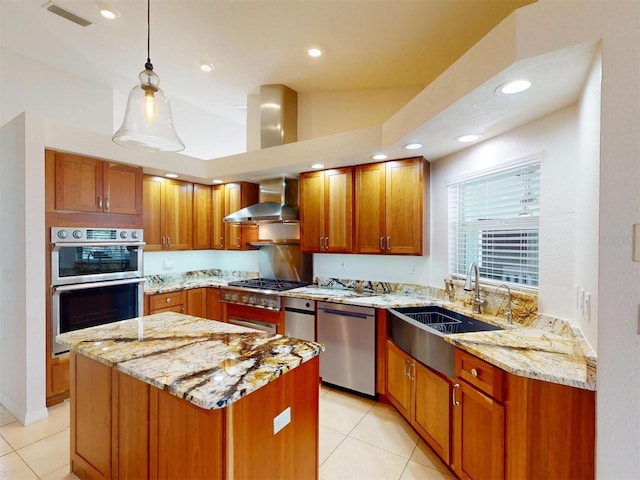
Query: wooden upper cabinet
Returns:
{"type": "Point", "coordinates": [390, 206]}
{"type": "Point", "coordinates": [122, 188]}
{"type": "Point", "coordinates": [167, 216]}
{"type": "Point", "coordinates": [84, 184]}
{"type": "Point", "coordinates": [326, 211]}
{"type": "Point", "coordinates": [202, 218]}
{"type": "Point", "coordinates": [217, 217]}
{"type": "Point", "coordinates": [236, 196]}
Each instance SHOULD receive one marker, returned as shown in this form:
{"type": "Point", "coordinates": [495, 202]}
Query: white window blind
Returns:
{"type": "Point", "coordinates": [494, 221]}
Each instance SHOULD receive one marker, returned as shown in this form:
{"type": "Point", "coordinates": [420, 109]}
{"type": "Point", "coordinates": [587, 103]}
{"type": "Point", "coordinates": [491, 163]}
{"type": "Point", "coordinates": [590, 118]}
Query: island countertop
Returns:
{"type": "Point", "coordinates": [210, 364]}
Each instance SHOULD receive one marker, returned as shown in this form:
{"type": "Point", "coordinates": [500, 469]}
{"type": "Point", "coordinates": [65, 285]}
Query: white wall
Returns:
{"type": "Point", "coordinates": [22, 295]}
{"type": "Point", "coordinates": [163, 263]}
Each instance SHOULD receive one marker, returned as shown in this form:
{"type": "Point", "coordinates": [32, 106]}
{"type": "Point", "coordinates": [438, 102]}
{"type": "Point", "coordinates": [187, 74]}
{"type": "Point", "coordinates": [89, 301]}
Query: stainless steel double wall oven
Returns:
{"type": "Point", "coordinates": [96, 278]}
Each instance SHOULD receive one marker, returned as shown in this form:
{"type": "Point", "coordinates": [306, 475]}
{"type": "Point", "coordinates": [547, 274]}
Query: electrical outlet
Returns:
{"type": "Point", "coordinates": [413, 268]}
{"type": "Point", "coordinates": [582, 299]}
{"type": "Point", "coordinates": [341, 264]}
{"type": "Point", "coordinates": [282, 420]}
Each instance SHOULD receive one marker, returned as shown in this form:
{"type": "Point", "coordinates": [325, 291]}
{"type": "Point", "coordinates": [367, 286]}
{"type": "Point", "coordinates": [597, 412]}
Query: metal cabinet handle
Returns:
{"type": "Point", "coordinates": [168, 242]}
{"type": "Point", "coordinates": [453, 395]}
{"type": "Point", "coordinates": [474, 372]}
{"type": "Point", "coordinates": [388, 243]}
{"type": "Point", "coordinates": [406, 367]}
{"type": "Point", "coordinates": [412, 367]}
{"type": "Point", "coordinates": [381, 243]}
{"type": "Point", "coordinates": [238, 241]}
{"type": "Point", "coordinates": [162, 241]}
{"type": "Point", "coordinates": [100, 203]}
{"type": "Point", "coordinates": [321, 243]}
{"type": "Point", "coordinates": [222, 241]}
{"type": "Point", "coordinates": [107, 204]}
{"type": "Point", "coordinates": [326, 243]}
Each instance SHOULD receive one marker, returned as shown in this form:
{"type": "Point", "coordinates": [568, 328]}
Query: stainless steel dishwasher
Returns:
{"type": "Point", "coordinates": [349, 335]}
{"type": "Point", "coordinates": [300, 318]}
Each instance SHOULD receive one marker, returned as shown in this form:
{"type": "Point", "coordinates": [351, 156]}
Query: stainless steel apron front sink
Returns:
{"type": "Point", "coordinates": [420, 332]}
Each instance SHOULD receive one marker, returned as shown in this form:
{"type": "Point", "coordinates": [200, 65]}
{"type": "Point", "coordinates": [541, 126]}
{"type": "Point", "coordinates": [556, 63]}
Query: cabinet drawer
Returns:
{"type": "Point", "coordinates": [166, 300]}
{"type": "Point", "coordinates": [482, 375]}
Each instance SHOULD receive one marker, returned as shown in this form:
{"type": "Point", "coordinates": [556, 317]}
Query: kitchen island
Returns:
{"type": "Point", "coordinates": [176, 396]}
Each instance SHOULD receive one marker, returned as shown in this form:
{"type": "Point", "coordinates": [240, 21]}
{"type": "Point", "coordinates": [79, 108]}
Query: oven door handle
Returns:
{"type": "Point", "coordinates": [58, 245]}
{"type": "Point", "coordinates": [84, 286]}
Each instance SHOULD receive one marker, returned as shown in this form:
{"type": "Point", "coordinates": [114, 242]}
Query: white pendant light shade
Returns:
{"type": "Point", "coordinates": [147, 121]}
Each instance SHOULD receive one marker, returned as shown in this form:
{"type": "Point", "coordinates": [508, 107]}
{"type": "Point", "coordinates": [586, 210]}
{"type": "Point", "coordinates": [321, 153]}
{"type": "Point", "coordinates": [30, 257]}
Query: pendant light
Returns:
{"type": "Point", "coordinates": [147, 123]}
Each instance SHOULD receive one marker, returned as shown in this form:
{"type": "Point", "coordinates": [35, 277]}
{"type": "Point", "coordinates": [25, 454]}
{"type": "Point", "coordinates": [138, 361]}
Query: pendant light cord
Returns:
{"type": "Point", "coordinates": [148, 65]}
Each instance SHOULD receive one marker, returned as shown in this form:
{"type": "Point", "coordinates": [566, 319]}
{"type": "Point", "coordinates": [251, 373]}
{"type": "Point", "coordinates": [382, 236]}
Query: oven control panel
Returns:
{"type": "Point", "coordinates": [250, 298]}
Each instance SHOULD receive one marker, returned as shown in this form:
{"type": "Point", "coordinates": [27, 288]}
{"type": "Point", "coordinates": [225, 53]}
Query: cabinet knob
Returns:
{"type": "Point", "coordinates": [168, 300]}
{"type": "Point", "coordinates": [474, 372]}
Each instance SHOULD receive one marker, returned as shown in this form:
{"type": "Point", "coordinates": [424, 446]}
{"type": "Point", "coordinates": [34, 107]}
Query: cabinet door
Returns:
{"type": "Point", "coordinates": [214, 305]}
{"type": "Point", "coordinates": [370, 208]}
{"type": "Point", "coordinates": [176, 220]}
{"type": "Point", "coordinates": [122, 189]}
{"type": "Point", "coordinates": [338, 218]}
{"type": "Point", "coordinates": [404, 206]}
{"type": "Point", "coordinates": [78, 183]}
{"type": "Point", "coordinates": [432, 409]}
{"type": "Point", "coordinates": [217, 217]}
{"type": "Point", "coordinates": [232, 203]}
{"type": "Point", "coordinates": [478, 435]}
{"type": "Point", "coordinates": [202, 219]}
{"type": "Point", "coordinates": [398, 379]}
{"type": "Point", "coordinates": [197, 302]}
{"type": "Point", "coordinates": [152, 212]}
{"type": "Point", "coordinates": [311, 211]}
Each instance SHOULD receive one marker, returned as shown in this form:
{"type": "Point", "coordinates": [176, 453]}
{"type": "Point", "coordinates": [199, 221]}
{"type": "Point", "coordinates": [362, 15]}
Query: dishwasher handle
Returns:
{"type": "Point", "coordinates": [346, 313]}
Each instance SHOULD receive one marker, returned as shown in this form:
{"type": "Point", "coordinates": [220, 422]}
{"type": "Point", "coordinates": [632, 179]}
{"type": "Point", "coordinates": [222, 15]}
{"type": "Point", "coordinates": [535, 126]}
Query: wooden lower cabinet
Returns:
{"type": "Point", "coordinates": [214, 305]}
{"type": "Point", "coordinates": [478, 431]}
{"type": "Point", "coordinates": [507, 426]}
{"type": "Point", "coordinates": [422, 396]}
{"type": "Point", "coordinates": [197, 302]}
{"type": "Point", "coordinates": [124, 428]}
{"type": "Point", "coordinates": [167, 302]}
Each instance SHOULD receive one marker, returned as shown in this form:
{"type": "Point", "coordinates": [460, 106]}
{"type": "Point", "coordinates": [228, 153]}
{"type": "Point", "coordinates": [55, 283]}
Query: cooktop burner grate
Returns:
{"type": "Point", "coordinates": [268, 284]}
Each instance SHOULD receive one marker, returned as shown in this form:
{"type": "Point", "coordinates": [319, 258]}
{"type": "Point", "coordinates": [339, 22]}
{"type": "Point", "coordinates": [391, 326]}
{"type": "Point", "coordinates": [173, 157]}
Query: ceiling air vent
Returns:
{"type": "Point", "coordinates": [72, 17]}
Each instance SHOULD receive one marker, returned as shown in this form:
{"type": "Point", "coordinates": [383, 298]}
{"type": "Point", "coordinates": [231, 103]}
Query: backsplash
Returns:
{"type": "Point", "coordinates": [186, 277]}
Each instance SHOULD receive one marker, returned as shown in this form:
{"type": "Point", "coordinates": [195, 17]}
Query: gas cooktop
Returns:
{"type": "Point", "coordinates": [268, 284]}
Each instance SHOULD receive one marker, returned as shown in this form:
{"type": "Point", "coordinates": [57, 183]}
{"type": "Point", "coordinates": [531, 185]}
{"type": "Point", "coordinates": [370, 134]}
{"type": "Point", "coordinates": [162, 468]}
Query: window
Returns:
{"type": "Point", "coordinates": [494, 221]}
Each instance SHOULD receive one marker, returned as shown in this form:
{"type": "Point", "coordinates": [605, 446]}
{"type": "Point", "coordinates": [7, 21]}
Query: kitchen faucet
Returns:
{"type": "Point", "coordinates": [509, 313]}
{"type": "Point", "coordinates": [477, 301]}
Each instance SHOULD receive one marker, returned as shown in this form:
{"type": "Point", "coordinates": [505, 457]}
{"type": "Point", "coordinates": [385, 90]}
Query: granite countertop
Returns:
{"type": "Point", "coordinates": [538, 346]}
{"type": "Point", "coordinates": [210, 364]}
{"type": "Point", "coordinates": [526, 351]}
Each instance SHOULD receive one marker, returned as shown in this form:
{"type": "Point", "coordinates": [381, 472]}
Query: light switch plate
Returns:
{"type": "Point", "coordinates": [636, 242]}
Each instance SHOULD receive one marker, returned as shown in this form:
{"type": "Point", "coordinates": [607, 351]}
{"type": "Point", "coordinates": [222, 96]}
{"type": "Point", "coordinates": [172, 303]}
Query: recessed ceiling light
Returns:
{"type": "Point", "coordinates": [515, 86]}
{"type": "Point", "coordinates": [316, 166]}
{"type": "Point", "coordinates": [472, 137]}
{"type": "Point", "coordinates": [171, 175]}
{"type": "Point", "coordinates": [379, 156]}
{"type": "Point", "coordinates": [206, 67]}
{"type": "Point", "coordinates": [413, 146]}
{"type": "Point", "coordinates": [107, 12]}
{"type": "Point", "coordinates": [314, 51]}
{"type": "Point", "coordinates": [216, 181]}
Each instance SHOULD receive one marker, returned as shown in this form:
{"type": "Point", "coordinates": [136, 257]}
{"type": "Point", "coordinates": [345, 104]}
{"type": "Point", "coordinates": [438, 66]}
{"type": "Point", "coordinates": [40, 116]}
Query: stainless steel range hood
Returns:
{"type": "Point", "coordinates": [278, 203]}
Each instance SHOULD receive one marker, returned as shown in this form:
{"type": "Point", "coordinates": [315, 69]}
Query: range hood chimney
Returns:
{"type": "Point", "coordinates": [278, 115]}
{"type": "Point", "coordinates": [278, 125]}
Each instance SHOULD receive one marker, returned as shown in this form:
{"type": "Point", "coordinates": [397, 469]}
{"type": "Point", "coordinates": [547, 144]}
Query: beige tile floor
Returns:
{"type": "Point", "coordinates": [359, 439]}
